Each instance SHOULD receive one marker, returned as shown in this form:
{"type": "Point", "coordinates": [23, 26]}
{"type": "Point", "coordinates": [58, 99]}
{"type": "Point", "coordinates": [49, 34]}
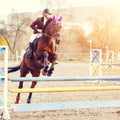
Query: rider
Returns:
{"type": "Point", "coordinates": [37, 26]}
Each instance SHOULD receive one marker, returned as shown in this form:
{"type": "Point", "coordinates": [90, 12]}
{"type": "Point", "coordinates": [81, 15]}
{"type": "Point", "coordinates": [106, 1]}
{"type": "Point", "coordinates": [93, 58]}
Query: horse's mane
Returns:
{"type": "Point", "coordinates": [48, 21]}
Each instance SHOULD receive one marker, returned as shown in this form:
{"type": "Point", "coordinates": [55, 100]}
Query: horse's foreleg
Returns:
{"type": "Point", "coordinates": [50, 71]}
{"type": "Point", "coordinates": [18, 95]}
{"type": "Point", "coordinates": [30, 94]}
{"type": "Point", "coordinates": [45, 57]}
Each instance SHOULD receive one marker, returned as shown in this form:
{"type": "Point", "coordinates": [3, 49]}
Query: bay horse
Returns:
{"type": "Point", "coordinates": [45, 51]}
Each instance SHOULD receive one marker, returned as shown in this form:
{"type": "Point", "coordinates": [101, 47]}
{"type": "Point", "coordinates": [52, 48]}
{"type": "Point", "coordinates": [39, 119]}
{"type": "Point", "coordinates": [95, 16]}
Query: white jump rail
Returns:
{"type": "Point", "coordinates": [79, 78]}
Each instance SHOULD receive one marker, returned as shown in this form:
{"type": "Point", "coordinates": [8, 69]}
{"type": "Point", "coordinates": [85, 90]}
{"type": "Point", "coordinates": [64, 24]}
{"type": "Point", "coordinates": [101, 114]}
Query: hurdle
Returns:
{"type": "Point", "coordinates": [69, 104]}
{"type": "Point", "coordinates": [67, 78]}
{"type": "Point", "coordinates": [95, 62]}
{"type": "Point", "coordinates": [3, 80]}
{"type": "Point", "coordinates": [43, 106]}
{"type": "Point", "coordinates": [70, 89]}
{"type": "Point", "coordinates": [75, 89]}
{"type": "Point", "coordinates": [110, 58]}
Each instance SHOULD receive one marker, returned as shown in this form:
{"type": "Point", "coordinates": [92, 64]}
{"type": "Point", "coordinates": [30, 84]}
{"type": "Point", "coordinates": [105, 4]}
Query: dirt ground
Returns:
{"type": "Point", "coordinates": [68, 69]}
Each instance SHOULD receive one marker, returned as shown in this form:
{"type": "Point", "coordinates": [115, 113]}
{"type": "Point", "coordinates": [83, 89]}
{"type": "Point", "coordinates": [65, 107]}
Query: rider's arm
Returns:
{"type": "Point", "coordinates": [34, 26]}
{"type": "Point", "coordinates": [37, 25]}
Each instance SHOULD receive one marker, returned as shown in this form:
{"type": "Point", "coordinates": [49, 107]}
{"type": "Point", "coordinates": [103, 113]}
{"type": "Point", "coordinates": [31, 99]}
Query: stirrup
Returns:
{"type": "Point", "coordinates": [29, 54]}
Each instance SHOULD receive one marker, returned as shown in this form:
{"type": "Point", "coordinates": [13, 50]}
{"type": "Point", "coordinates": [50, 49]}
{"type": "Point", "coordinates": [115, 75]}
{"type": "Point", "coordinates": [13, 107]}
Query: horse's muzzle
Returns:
{"type": "Point", "coordinates": [57, 37]}
{"type": "Point", "coordinates": [57, 34]}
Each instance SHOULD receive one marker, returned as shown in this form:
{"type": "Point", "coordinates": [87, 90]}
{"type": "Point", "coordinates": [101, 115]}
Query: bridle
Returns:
{"type": "Point", "coordinates": [56, 41]}
{"type": "Point", "coordinates": [52, 34]}
{"type": "Point", "coordinates": [47, 35]}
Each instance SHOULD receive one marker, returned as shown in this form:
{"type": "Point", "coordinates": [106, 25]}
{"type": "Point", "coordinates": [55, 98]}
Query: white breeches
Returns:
{"type": "Point", "coordinates": [34, 36]}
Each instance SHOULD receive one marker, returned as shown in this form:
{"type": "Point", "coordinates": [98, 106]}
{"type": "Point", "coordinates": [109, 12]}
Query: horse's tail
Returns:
{"type": "Point", "coordinates": [13, 69]}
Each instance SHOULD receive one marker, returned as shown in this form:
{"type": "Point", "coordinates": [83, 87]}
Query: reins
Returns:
{"type": "Point", "coordinates": [50, 36]}
{"type": "Point", "coordinates": [47, 35]}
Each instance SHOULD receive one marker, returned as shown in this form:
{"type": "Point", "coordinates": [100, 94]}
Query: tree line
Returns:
{"type": "Point", "coordinates": [104, 33]}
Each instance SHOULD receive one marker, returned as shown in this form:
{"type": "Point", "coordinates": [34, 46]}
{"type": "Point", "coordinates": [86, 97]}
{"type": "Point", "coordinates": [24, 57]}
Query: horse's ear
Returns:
{"type": "Point", "coordinates": [54, 19]}
{"type": "Point", "coordinates": [60, 19]}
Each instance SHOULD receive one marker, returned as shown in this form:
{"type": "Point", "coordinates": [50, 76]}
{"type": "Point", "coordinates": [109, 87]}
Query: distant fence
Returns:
{"type": "Point", "coordinates": [74, 56]}
{"type": "Point", "coordinates": [82, 57]}
{"type": "Point", "coordinates": [78, 56]}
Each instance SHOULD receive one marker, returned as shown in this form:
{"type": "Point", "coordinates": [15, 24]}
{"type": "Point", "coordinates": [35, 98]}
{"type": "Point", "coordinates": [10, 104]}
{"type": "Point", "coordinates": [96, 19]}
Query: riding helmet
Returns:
{"type": "Point", "coordinates": [47, 11]}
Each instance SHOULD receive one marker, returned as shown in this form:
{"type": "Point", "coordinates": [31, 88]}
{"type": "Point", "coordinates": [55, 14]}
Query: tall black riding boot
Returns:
{"type": "Point", "coordinates": [30, 50]}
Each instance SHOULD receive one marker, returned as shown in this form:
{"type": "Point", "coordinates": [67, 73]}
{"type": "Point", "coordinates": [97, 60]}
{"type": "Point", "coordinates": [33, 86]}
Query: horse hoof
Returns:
{"type": "Point", "coordinates": [49, 75]}
{"type": "Point", "coordinates": [50, 72]}
{"type": "Point", "coordinates": [28, 101]}
{"type": "Point", "coordinates": [44, 73]}
{"type": "Point", "coordinates": [16, 102]}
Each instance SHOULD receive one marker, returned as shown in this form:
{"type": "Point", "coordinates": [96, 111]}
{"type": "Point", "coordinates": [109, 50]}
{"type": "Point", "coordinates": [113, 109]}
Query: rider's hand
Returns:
{"type": "Point", "coordinates": [39, 31]}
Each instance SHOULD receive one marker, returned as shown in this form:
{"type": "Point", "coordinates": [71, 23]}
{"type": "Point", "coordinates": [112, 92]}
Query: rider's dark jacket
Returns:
{"type": "Point", "coordinates": [37, 24]}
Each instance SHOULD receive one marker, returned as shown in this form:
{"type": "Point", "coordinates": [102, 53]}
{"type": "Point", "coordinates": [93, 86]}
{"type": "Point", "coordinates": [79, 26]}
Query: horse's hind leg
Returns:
{"type": "Point", "coordinates": [18, 95]}
{"type": "Point", "coordinates": [23, 72]}
{"type": "Point", "coordinates": [34, 74]}
{"type": "Point", "coordinates": [30, 94]}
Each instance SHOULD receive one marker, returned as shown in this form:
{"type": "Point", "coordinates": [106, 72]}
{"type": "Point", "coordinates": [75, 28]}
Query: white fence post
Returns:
{"type": "Point", "coordinates": [4, 80]}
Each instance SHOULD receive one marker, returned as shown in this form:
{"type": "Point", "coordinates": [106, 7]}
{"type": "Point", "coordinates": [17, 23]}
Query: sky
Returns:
{"type": "Point", "coordinates": [9, 6]}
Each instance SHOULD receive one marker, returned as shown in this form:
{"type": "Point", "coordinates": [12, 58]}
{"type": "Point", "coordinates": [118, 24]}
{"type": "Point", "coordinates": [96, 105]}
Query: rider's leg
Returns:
{"type": "Point", "coordinates": [30, 50]}
{"type": "Point", "coordinates": [31, 46]}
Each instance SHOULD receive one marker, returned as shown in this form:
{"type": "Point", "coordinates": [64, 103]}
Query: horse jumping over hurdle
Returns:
{"type": "Point", "coordinates": [45, 51]}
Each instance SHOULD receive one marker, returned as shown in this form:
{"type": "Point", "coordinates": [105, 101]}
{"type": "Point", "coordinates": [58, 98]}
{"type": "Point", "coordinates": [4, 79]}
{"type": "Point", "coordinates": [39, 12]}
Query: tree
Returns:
{"type": "Point", "coordinates": [18, 28]}
{"type": "Point", "coordinates": [73, 39]}
{"type": "Point", "coordinates": [102, 30]}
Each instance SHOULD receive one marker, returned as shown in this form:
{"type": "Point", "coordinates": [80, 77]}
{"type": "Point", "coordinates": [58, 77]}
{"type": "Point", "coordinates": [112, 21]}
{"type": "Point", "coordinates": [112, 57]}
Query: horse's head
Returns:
{"type": "Point", "coordinates": [54, 27]}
